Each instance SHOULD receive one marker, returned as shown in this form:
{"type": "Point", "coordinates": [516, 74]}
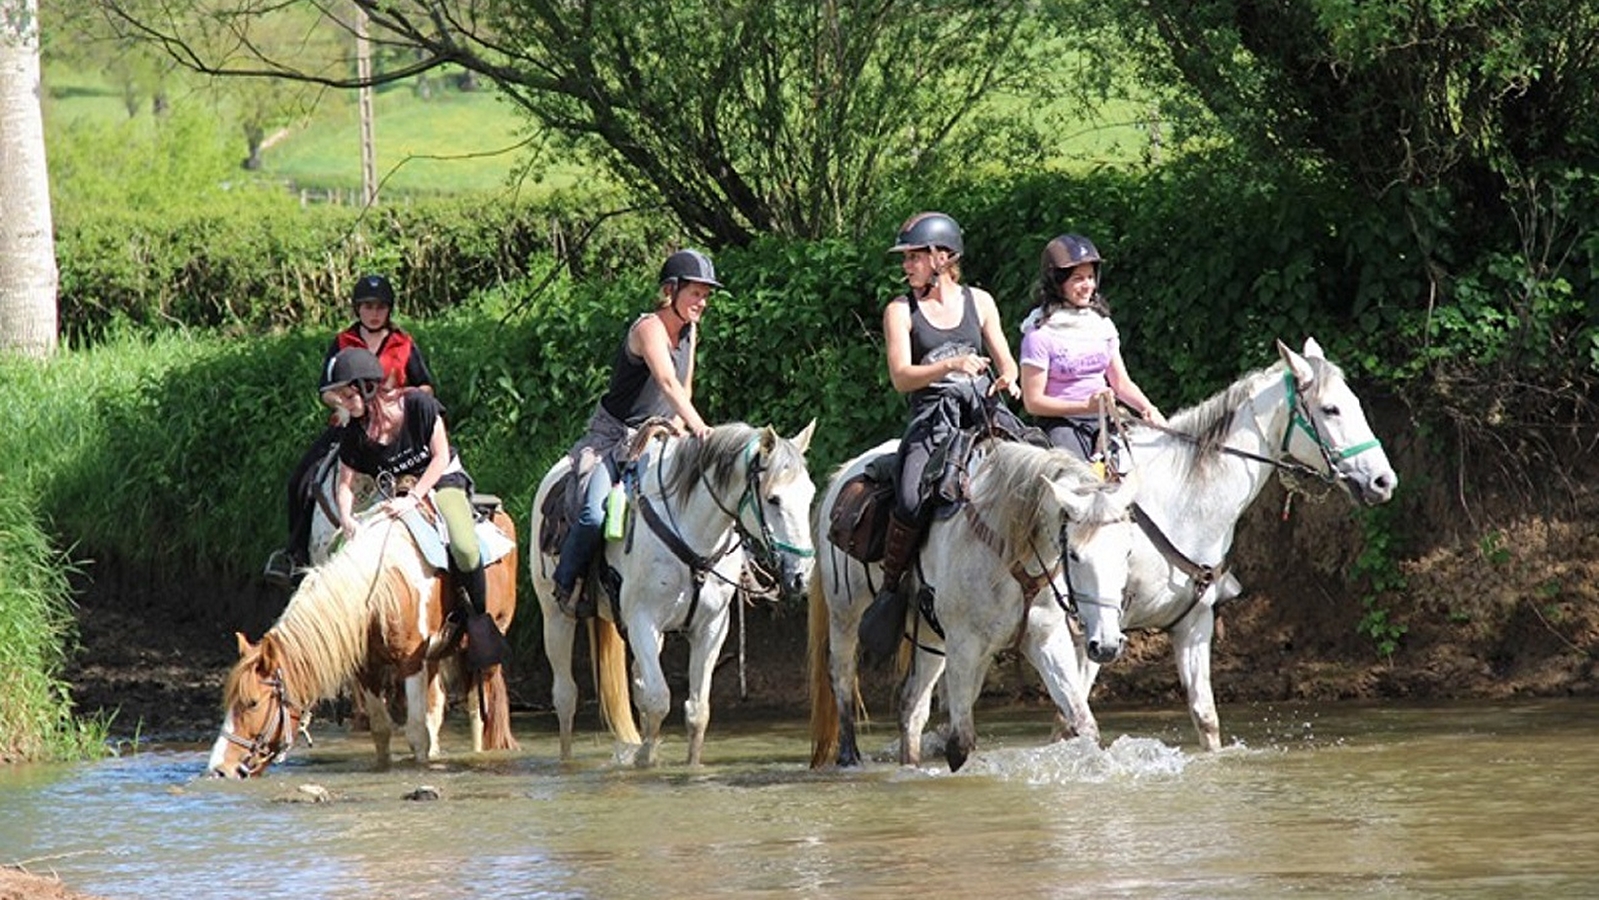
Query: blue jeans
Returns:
{"type": "Point", "coordinates": [585, 536]}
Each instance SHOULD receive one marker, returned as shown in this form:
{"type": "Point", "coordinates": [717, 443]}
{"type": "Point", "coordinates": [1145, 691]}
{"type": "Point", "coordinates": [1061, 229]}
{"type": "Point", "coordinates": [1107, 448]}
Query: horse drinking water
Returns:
{"type": "Point", "coordinates": [1041, 537]}
{"type": "Point", "coordinates": [697, 509]}
{"type": "Point", "coordinates": [372, 607]}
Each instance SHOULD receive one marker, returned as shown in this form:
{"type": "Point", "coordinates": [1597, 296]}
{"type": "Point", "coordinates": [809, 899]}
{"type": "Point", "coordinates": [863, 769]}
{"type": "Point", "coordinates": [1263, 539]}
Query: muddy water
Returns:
{"type": "Point", "coordinates": [1379, 801]}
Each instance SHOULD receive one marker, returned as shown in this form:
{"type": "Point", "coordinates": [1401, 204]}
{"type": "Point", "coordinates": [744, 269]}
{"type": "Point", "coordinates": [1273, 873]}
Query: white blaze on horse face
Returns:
{"type": "Point", "coordinates": [219, 763]}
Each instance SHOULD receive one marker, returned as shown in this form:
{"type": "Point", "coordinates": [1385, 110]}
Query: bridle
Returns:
{"type": "Point", "coordinates": [765, 546]}
{"type": "Point", "coordinates": [276, 738]}
{"type": "Point", "coordinates": [1299, 417]}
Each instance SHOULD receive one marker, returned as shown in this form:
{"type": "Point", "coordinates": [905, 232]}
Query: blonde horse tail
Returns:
{"type": "Point", "coordinates": [610, 679]}
{"type": "Point", "coordinates": [496, 708]}
{"type": "Point", "coordinates": [824, 703]}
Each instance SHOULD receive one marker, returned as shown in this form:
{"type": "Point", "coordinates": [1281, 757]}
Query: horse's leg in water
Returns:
{"type": "Point", "coordinates": [560, 631]}
{"type": "Point", "coordinates": [966, 664]}
{"type": "Point", "coordinates": [472, 698]}
{"type": "Point", "coordinates": [916, 703]}
{"type": "Point", "coordinates": [378, 723]}
{"type": "Point", "coordinates": [651, 696]}
{"type": "Point", "coordinates": [418, 690]}
{"type": "Point", "coordinates": [1190, 641]}
{"type": "Point", "coordinates": [1050, 647]}
{"type": "Point", "coordinates": [1087, 672]}
{"type": "Point", "coordinates": [843, 640]}
{"type": "Point", "coordinates": [704, 649]}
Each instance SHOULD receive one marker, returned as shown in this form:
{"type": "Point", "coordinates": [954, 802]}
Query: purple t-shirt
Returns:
{"type": "Point", "coordinates": [1074, 348]}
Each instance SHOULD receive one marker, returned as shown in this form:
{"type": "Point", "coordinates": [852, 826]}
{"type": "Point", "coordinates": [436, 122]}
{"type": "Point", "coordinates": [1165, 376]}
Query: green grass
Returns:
{"type": "Point", "coordinates": [451, 143]}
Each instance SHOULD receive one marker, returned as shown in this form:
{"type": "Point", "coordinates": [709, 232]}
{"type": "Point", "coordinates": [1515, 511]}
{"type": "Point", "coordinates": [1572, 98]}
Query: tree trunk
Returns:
{"type": "Point", "coordinates": [28, 276]}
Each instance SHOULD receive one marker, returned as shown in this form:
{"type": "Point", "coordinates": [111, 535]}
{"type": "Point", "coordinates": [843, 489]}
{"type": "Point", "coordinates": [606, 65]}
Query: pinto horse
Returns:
{"type": "Point", "coordinates": [1041, 540]}
{"type": "Point", "coordinates": [698, 509]}
{"type": "Point", "coordinates": [370, 610]}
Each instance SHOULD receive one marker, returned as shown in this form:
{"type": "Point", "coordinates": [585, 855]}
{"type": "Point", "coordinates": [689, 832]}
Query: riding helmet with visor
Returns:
{"type": "Point", "coordinates": [354, 365]}
{"type": "Point", "coordinates": [372, 289]}
{"type": "Point", "coordinates": [688, 265]}
{"type": "Point", "coordinates": [1065, 253]}
{"type": "Point", "coordinates": [927, 230]}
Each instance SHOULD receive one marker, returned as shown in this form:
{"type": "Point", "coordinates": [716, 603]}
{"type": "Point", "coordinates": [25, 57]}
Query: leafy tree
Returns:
{"type": "Point", "coordinates": [740, 116]}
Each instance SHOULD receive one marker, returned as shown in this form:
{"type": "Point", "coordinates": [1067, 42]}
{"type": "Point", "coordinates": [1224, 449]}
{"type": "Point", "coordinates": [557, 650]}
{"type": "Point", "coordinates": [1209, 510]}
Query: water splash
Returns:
{"type": "Point", "coordinates": [1080, 760]}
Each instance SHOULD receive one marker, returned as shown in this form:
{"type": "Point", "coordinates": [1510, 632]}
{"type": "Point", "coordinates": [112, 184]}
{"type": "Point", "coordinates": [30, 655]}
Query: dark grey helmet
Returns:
{"type": "Point", "coordinates": [373, 289]}
{"type": "Point", "coordinates": [689, 265]}
{"type": "Point", "coordinates": [353, 365]}
{"type": "Point", "coordinates": [927, 230]}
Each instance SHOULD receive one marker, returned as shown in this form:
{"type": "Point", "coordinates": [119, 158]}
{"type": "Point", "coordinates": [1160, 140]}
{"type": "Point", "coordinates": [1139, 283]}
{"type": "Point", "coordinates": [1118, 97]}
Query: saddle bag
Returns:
{"type": "Point", "coordinates": [859, 524]}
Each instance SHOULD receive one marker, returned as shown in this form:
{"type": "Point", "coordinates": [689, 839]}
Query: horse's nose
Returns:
{"type": "Point", "coordinates": [1104, 652]}
{"type": "Point", "coordinates": [1384, 485]}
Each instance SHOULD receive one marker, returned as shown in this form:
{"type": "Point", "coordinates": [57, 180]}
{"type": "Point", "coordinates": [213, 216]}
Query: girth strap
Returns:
{"type": "Point", "coordinates": [1203, 576]}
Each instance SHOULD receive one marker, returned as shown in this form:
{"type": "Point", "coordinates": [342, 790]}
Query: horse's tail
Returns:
{"type": "Point", "coordinates": [610, 680]}
{"type": "Point", "coordinates": [824, 703]}
{"type": "Point", "coordinates": [496, 709]}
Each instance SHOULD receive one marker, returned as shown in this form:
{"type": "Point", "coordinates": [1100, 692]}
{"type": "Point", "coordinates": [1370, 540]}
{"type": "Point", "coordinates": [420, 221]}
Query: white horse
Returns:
{"type": "Point", "coordinates": [1202, 472]}
{"type": "Point", "coordinates": [1036, 518]}
{"type": "Point", "coordinates": [697, 510]}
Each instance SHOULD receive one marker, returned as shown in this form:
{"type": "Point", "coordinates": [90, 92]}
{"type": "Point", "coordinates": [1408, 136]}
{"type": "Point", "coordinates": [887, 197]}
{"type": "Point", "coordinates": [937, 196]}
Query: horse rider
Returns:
{"type": "Point", "coordinates": [652, 376]}
{"type": "Point", "coordinates": [1071, 359]}
{"type": "Point", "coordinates": [403, 367]}
{"type": "Point", "coordinates": [936, 334]}
{"type": "Point", "coordinates": [399, 436]}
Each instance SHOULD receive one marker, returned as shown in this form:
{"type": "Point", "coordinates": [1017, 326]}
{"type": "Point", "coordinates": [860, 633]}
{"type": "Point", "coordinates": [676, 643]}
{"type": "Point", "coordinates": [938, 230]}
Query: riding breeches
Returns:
{"type": "Point", "coordinates": [455, 508]}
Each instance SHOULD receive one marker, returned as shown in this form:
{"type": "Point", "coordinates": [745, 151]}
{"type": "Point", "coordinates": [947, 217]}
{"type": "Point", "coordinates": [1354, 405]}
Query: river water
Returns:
{"type": "Point", "coordinates": [1459, 800]}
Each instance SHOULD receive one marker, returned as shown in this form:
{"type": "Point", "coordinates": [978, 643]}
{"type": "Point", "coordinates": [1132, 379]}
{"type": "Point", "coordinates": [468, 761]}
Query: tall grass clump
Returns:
{"type": "Point", "coordinates": [36, 633]}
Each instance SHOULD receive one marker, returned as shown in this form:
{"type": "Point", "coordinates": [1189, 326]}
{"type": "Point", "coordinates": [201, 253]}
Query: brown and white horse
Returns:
{"type": "Point", "coordinates": [366, 613]}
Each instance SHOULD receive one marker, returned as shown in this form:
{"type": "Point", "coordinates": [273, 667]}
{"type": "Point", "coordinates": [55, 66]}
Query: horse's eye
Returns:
{"type": "Point", "coordinates": [1074, 556]}
{"type": "Point", "coordinates": [1329, 411]}
{"type": "Point", "coordinates": [775, 500]}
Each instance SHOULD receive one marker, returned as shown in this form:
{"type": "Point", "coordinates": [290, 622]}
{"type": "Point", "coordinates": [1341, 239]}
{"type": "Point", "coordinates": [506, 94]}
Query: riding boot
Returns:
{"type": "Point", "coordinates": [466, 600]}
{"type": "Point", "coordinates": [884, 622]}
{"type": "Point", "coordinates": [577, 552]}
{"type": "Point", "coordinates": [485, 645]}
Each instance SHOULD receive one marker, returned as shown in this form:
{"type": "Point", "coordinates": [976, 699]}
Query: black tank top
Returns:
{"type": "Point", "coordinates": [633, 395]}
{"type": "Point", "coordinates": [929, 343]}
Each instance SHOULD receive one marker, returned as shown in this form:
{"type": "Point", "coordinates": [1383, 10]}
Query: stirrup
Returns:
{"type": "Point", "coordinates": [447, 638]}
{"type": "Point", "coordinates": [279, 570]}
{"type": "Point", "coordinates": [575, 602]}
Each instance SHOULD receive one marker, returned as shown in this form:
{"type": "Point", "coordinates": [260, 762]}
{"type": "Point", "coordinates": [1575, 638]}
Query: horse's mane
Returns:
{"type": "Point", "coordinates": [1209, 422]}
{"type": "Point", "coordinates": [718, 455]}
{"type": "Point", "coordinates": [322, 636]}
{"type": "Point", "coordinates": [1014, 493]}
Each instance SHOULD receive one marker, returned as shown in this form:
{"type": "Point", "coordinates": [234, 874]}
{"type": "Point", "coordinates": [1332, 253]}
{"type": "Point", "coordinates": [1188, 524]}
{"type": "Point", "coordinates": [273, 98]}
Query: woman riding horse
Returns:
{"type": "Point", "coordinates": [934, 335]}
{"type": "Point", "coordinates": [399, 437]}
{"type": "Point", "coordinates": [652, 376]}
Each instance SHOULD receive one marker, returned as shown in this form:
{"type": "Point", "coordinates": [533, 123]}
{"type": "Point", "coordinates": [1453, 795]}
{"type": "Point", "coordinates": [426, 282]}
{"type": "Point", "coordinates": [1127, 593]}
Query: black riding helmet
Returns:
{"type": "Point", "coordinates": [372, 289]}
{"type": "Point", "coordinates": [927, 230]}
{"type": "Point", "coordinates": [688, 265]}
{"type": "Point", "coordinates": [1065, 253]}
{"type": "Point", "coordinates": [354, 365]}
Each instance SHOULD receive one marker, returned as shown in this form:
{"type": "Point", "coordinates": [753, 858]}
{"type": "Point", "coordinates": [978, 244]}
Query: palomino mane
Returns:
{"type": "Point", "coordinates": [1015, 492]}
{"type": "Point", "coordinates": [719, 455]}
{"type": "Point", "coordinates": [322, 636]}
{"type": "Point", "coordinates": [1210, 421]}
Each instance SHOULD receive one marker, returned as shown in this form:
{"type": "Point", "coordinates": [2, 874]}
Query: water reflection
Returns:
{"type": "Point", "coordinates": [1461, 800]}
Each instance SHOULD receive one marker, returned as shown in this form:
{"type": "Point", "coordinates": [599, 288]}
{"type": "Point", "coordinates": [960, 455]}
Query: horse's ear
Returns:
{"type": "Point", "coordinates": [802, 441]}
{"type": "Point", "coordinates": [1077, 503]}
{"type": "Point", "coordinates": [768, 439]}
{"type": "Point", "coordinates": [1313, 349]}
{"type": "Point", "coordinates": [244, 643]}
{"type": "Point", "coordinates": [1303, 373]}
